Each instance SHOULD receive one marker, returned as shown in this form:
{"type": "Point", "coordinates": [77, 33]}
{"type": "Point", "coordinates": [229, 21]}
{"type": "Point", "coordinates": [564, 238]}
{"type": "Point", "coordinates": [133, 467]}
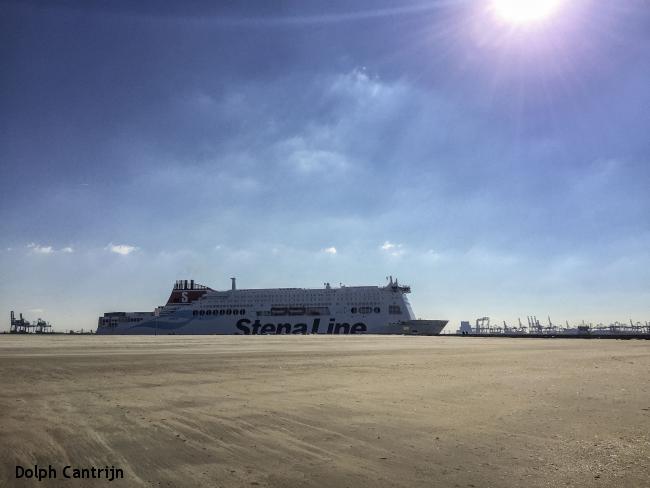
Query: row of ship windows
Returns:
{"type": "Point", "coordinates": [365, 310]}
{"type": "Point", "coordinates": [307, 298]}
{"type": "Point", "coordinates": [395, 309]}
{"type": "Point", "coordinates": [220, 312]}
{"type": "Point", "coordinates": [121, 319]}
{"type": "Point", "coordinates": [295, 296]}
{"type": "Point", "coordinates": [392, 309]}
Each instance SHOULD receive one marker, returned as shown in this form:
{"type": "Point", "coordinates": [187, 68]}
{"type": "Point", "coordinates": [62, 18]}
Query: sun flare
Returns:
{"type": "Point", "coordinates": [525, 11]}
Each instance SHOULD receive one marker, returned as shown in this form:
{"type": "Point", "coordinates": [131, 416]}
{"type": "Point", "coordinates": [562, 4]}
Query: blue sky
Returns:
{"type": "Point", "coordinates": [499, 169]}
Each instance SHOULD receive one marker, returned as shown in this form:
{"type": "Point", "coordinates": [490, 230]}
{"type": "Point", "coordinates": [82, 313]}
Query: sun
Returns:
{"type": "Point", "coordinates": [525, 11]}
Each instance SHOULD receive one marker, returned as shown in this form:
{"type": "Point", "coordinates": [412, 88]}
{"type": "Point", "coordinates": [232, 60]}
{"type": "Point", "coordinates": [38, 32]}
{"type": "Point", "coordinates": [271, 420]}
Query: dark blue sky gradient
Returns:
{"type": "Point", "coordinates": [506, 168]}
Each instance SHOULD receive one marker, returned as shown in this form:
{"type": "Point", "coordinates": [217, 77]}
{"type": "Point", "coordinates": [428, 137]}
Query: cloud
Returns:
{"type": "Point", "coordinates": [357, 84]}
{"type": "Point", "coordinates": [392, 248]}
{"type": "Point", "coordinates": [330, 250]}
{"type": "Point", "coordinates": [123, 249]}
{"type": "Point", "coordinates": [38, 249]}
{"type": "Point", "coordinates": [308, 161]}
{"type": "Point", "coordinates": [303, 154]}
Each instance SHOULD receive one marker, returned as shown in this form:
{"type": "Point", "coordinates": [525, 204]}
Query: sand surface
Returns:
{"type": "Point", "coordinates": [309, 411]}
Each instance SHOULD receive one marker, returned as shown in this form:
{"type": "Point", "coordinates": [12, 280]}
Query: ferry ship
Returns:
{"type": "Point", "coordinates": [196, 309]}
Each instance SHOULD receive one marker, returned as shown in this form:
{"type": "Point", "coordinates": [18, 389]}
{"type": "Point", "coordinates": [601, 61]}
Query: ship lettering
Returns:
{"type": "Point", "coordinates": [254, 328]}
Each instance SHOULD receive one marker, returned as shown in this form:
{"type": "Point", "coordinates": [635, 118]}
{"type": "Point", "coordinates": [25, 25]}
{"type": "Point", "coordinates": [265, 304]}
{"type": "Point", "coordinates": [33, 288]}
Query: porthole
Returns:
{"type": "Point", "coordinates": [228, 312]}
{"type": "Point", "coordinates": [235, 312]}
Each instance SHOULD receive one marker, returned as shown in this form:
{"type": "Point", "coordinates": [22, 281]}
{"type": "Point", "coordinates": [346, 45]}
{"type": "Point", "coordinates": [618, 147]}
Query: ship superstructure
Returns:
{"type": "Point", "coordinates": [196, 309]}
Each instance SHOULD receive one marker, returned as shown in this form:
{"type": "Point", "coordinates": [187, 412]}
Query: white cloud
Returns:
{"type": "Point", "coordinates": [308, 161]}
{"type": "Point", "coordinates": [123, 249]}
{"type": "Point", "coordinates": [38, 249]}
{"type": "Point", "coordinates": [358, 84]}
{"type": "Point", "coordinates": [330, 250]}
{"type": "Point", "coordinates": [367, 99]}
{"type": "Point", "coordinates": [303, 153]}
{"type": "Point", "coordinates": [392, 248]}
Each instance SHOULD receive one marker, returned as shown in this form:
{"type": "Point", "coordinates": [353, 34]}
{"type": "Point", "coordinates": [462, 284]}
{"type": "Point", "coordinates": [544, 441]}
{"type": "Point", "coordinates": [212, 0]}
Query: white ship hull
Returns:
{"type": "Point", "coordinates": [194, 309]}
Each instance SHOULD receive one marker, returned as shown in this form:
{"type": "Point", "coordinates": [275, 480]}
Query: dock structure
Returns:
{"type": "Point", "coordinates": [615, 330]}
{"type": "Point", "coordinates": [482, 325]}
{"type": "Point", "coordinates": [24, 326]}
{"type": "Point", "coordinates": [42, 327]}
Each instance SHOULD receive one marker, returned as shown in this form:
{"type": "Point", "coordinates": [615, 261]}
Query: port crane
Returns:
{"type": "Point", "coordinates": [24, 326]}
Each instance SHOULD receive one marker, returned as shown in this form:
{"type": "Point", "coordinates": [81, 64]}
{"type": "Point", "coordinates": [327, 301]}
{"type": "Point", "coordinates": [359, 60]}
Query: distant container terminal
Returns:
{"type": "Point", "coordinates": [616, 330]}
{"type": "Point", "coordinates": [23, 326]}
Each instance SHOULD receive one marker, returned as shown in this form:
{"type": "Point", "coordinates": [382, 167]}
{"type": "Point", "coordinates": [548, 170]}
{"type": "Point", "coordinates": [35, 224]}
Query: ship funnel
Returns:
{"type": "Point", "coordinates": [234, 286]}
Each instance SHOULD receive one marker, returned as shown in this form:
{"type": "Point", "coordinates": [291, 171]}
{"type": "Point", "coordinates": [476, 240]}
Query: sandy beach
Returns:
{"type": "Point", "coordinates": [309, 411]}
